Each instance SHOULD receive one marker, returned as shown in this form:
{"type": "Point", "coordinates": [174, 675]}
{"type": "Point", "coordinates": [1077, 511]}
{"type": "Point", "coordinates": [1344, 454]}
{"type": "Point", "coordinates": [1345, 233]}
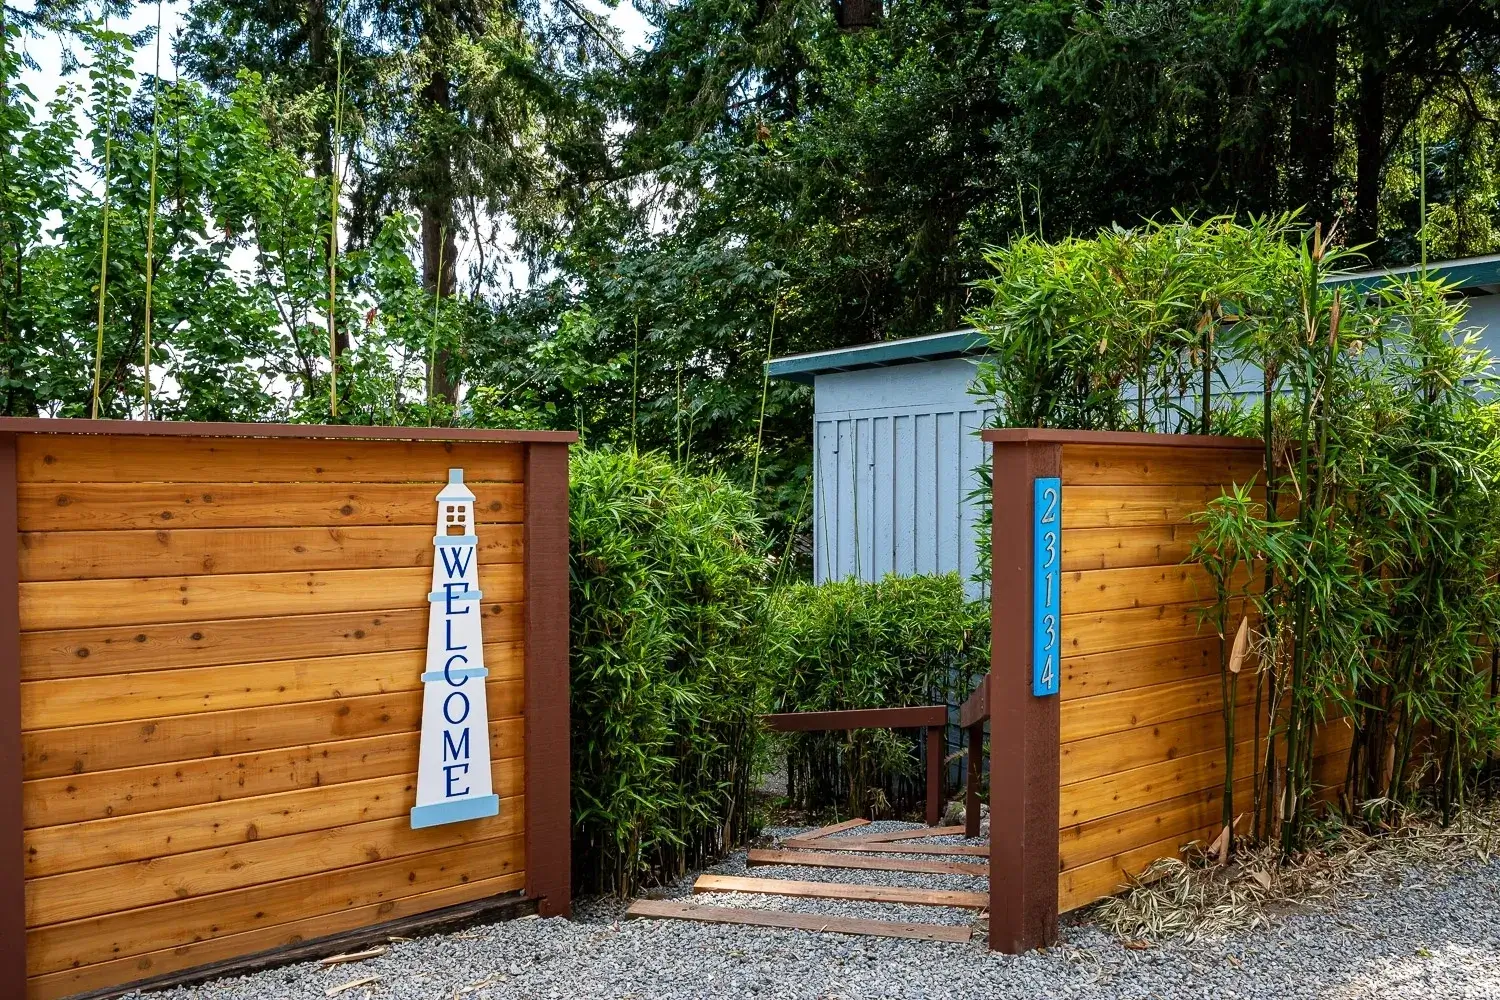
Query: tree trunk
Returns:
{"type": "Point", "coordinates": [1369, 151]}
{"type": "Point", "coordinates": [1313, 114]}
{"type": "Point", "coordinates": [439, 238]}
{"type": "Point", "coordinates": [317, 54]}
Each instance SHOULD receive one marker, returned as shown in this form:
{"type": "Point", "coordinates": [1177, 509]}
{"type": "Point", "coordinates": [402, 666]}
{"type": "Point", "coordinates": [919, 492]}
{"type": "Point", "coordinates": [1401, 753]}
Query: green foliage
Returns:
{"type": "Point", "coordinates": [1380, 530]}
{"type": "Point", "coordinates": [841, 645]}
{"type": "Point", "coordinates": [668, 578]}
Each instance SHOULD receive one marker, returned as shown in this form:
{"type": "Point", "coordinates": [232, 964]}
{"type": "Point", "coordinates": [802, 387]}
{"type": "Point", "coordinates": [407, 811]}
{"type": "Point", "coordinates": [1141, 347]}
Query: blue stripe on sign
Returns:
{"type": "Point", "coordinates": [1046, 584]}
{"type": "Point", "coordinates": [437, 596]}
{"type": "Point", "coordinates": [438, 675]}
{"type": "Point", "coordinates": [453, 541]}
{"type": "Point", "coordinates": [454, 811]}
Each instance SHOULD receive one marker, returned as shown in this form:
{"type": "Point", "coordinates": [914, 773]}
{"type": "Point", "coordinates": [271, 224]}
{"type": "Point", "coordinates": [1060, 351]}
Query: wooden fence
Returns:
{"type": "Point", "coordinates": [214, 637]}
{"type": "Point", "coordinates": [1125, 764]}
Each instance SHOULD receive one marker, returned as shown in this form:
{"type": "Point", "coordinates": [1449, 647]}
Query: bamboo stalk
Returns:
{"type": "Point", "coordinates": [151, 222]}
{"type": "Point", "coordinates": [333, 222]}
{"type": "Point", "coordinates": [103, 250]}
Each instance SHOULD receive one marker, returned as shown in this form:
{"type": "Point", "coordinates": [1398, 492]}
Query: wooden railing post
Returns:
{"type": "Point", "coordinates": [1024, 728]}
{"type": "Point", "coordinates": [971, 786]}
{"type": "Point", "coordinates": [935, 774]}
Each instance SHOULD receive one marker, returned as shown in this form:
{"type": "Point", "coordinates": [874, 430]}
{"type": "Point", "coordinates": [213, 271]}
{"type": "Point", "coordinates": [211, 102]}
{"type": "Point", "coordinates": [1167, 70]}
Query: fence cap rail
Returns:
{"type": "Point", "coordinates": [325, 432]}
{"type": "Point", "coordinates": [1054, 435]}
{"type": "Point", "coordinates": [858, 718]}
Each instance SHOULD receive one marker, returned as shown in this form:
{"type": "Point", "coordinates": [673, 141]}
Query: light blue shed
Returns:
{"type": "Point", "coordinates": [895, 449]}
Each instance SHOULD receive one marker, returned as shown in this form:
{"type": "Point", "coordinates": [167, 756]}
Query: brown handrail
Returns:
{"type": "Point", "coordinates": [929, 717]}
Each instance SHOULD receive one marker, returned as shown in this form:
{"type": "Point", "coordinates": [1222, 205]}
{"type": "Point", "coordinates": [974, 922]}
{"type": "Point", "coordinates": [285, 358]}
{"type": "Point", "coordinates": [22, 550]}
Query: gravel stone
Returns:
{"type": "Point", "coordinates": [1436, 936]}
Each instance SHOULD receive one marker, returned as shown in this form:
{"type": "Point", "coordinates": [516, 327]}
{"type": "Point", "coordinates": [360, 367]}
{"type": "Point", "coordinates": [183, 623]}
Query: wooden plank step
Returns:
{"type": "Point", "coordinates": [818, 859]}
{"type": "Point", "coordinates": [842, 890]}
{"type": "Point", "coordinates": [672, 909]}
{"type": "Point", "coordinates": [916, 834]}
{"type": "Point", "coordinates": [861, 845]}
{"type": "Point", "coordinates": [824, 831]}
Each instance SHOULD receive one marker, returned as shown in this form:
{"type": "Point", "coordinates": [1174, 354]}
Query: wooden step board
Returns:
{"type": "Point", "coordinates": [917, 834]}
{"type": "Point", "coordinates": [820, 860]}
{"type": "Point", "coordinates": [842, 890]}
{"type": "Point", "coordinates": [826, 831]}
{"type": "Point", "coordinates": [860, 845]}
{"type": "Point", "coordinates": [676, 910]}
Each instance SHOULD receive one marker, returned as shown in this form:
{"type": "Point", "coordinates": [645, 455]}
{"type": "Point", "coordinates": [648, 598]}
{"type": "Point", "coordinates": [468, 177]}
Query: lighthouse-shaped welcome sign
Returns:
{"type": "Point", "coordinates": [453, 769]}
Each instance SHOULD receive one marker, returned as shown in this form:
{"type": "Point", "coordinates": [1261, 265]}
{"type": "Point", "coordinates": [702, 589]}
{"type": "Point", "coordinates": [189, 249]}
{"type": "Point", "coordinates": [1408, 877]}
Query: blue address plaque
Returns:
{"type": "Point", "coordinates": [1046, 586]}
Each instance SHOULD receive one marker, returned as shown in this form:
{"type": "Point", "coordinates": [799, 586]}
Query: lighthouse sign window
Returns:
{"type": "Point", "coordinates": [453, 767]}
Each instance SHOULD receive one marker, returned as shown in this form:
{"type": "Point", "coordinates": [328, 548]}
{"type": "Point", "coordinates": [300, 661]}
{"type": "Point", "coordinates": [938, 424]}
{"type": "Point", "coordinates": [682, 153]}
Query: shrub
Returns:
{"type": "Point", "coordinates": [902, 641]}
{"type": "Point", "coordinates": [668, 582]}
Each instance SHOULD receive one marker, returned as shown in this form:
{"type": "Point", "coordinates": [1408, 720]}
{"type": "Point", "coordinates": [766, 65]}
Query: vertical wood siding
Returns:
{"type": "Point", "coordinates": [221, 643]}
{"type": "Point", "coordinates": [893, 468]}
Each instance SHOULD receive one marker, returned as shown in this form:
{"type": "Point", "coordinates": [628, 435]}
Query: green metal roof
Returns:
{"type": "Point", "coordinates": [882, 353]}
{"type": "Point", "coordinates": [1465, 273]}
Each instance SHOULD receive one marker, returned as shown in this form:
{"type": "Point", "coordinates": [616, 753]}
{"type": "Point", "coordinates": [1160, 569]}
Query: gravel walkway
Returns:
{"type": "Point", "coordinates": [1433, 936]}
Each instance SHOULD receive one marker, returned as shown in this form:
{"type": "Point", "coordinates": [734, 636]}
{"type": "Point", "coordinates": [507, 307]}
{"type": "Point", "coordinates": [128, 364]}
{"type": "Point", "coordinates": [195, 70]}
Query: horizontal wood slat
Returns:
{"type": "Point", "coordinates": [1148, 625]}
{"type": "Point", "coordinates": [1095, 674]}
{"type": "Point", "coordinates": [1102, 465]}
{"type": "Point", "coordinates": [818, 859]}
{"type": "Point", "coordinates": [1081, 886]}
{"type": "Point", "coordinates": [1118, 548]}
{"type": "Point", "coordinates": [1140, 586]}
{"type": "Point", "coordinates": [134, 506]}
{"type": "Point", "coordinates": [98, 891]}
{"type": "Point", "coordinates": [81, 603]}
{"type": "Point", "coordinates": [55, 986]}
{"type": "Point", "coordinates": [123, 697]}
{"type": "Point", "coordinates": [49, 753]}
{"type": "Point", "coordinates": [1135, 506]}
{"type": "Point", "coordinates": [1125, 790]}
{"type": "Point", "coordinates": [116, 649]}
{"type": "Point", "coordinates": [1102, 838]}
{"type": "Point", "coordinates": [77, 798]}
{"type": "Point", "coordinates": [1083, 718]}
{"type": "Point", "coordinates": [1131, 748]}
{"type": "Point", "coordinates": [107, 458]}
{"type": "Point", "coordinates": [105, 555]}
{"type": "Point", "coordinates": [852, 844]}
{"type": "Point", "coordinates": [134, 932]}
{"type": "Point", "coordinates": [53, 850]}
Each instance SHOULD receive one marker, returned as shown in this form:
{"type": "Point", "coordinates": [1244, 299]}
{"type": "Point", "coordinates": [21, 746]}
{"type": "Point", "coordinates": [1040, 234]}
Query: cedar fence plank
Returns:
{"type": "Point", "coordinates": [92, 940]}
{"type": "Point", "coordinates": [1141, 666]}
{"type": "Point", "coordinates": [1117, 548]}
{"type": "Point", "coordinates": [1138, 708]}
{"type": "Point", "coordinates": [842, 890]}
{"type": "Point", "coordinates": [153, 600]}
{"type": "Point", "coordinates": [97, 891]}
{"type": "Point", "coordinates": [1140, 586]}
{"type": "Point", "coordinates": [1125, 790]}
{"type": "Point", "coordinates": [55, 986]}
{"type": "Point", "coordinates": [50, 753]}
{"type": "Point", "coordinates": [1082, 886]}
{"type": "Point", "coordinates": [117, 649]}
{"type": "Point", "coordinates": [1102, 838]}
{"type": "Point", "coordinates": [155, 506]}
{"type": "Point", "coordinates": [122, 697]}
{"type": "Point", "coordinates": [671, 909]}
{"type": "Point", "coordinates": [1132, 748]}
{"type": "Point", "coordinates": [77, 798]}
{"type": "Point", "coordinates": [1134, 506]}
{"type": "Point", "coordinates": [104, 555]}
{"type": "Point", "coordinates": [112, 459]}
{"type": "Point", "coordinates": [817, 859]}
{"type": "Point", "coordinates": [55, 850]}
{"type": "Point", "coordinates": [1117, 465]}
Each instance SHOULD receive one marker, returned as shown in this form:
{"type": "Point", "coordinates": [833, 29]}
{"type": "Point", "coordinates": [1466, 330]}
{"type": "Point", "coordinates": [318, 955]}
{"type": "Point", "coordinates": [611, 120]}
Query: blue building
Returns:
{"type": "Point", "coordinates": [895, 451]}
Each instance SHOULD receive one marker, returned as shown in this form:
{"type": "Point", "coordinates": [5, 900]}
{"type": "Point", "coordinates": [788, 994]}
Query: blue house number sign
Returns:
{"type": "Point", "coordinates": [1046, 586]}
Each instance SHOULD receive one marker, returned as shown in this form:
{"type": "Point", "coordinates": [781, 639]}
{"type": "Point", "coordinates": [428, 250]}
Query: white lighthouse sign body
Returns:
{"type": "Point", "coordinates": [453, 768]}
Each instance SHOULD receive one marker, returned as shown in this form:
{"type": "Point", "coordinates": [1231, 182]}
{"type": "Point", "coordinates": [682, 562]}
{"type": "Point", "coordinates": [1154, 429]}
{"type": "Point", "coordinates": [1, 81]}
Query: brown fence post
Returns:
{"type": "Point", "coordinates": [1024, 729]}
{"type": "Point", "coordinates": [971, 785]}
{"type": "Point", "coordinates": [549, 830]}
{"type": "Point", "coordinates": [12, 872]}
{"type": "Point", "coordinates": [935, 750]}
